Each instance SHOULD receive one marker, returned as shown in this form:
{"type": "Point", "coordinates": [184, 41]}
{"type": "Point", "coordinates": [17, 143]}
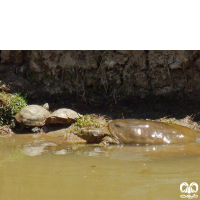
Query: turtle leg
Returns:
{"type": "Point", "coordinates": [109, 140]}
{"type": "Point", "coordinates": [36, 129]}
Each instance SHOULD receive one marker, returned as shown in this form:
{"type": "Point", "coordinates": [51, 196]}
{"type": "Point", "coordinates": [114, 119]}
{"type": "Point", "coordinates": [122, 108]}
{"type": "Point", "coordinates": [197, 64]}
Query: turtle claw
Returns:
{"type": "Point", "coordinates": [109, 140]}
{"type": "Point", "coordinates": [36, 130]}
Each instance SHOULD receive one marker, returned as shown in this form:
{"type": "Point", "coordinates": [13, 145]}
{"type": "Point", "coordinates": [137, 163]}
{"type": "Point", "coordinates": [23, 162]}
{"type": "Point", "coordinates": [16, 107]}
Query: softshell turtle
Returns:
{"type": "Point", "coordinates": [62, 116]}
{"type": "Point", "coordinates": [32, 116]}
{"type": "Point", "coordinates": [133, 131]}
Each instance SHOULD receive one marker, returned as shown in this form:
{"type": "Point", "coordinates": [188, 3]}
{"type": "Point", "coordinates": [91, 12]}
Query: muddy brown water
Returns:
{"type": "Point", "coordinates": [34, 167]}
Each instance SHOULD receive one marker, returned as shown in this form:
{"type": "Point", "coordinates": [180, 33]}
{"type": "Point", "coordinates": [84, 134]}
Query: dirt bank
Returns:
{"type": "Point", "coordinates": [103, 75]}
{"type": "Point", "coordinates": [136, 84]}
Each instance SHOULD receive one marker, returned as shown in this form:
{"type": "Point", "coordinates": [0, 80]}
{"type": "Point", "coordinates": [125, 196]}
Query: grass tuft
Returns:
{"type": "Point", "coordinates": [10, 105]}
{"type": "Point", "coordinates": [94, 121]}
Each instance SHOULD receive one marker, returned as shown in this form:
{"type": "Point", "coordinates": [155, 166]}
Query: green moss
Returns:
{"type": "Point", "coordinates": [10, 105]}
{"type": "Point", "coordinates": [84, 121]}
{"type": "Point", "coordinates": [89, 121]}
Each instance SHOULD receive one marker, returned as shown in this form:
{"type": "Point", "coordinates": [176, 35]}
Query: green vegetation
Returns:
{"type": "Point", "coordinates": [87, 121]}
{"type": "Point", "coordinates": [10, 104]}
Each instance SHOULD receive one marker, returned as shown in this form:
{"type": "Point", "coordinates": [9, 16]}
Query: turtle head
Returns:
{"type": "Point", "coordinates": [92, 135]}
{"type": "Point", "coordinates": [46, 106]}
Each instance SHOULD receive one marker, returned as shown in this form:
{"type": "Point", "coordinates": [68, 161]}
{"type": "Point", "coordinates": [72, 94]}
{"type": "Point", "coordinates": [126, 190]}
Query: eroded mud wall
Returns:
{"type": "Point", "coordinates": [101, 76]}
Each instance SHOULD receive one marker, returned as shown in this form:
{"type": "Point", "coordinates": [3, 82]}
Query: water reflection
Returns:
{"type": "Point", "coordinates": [39, 146]}
{"type": "Point", "coordinates": [9, 152]}
{"type": "Point", "coordinates": [114, 152]}
{"type": "Point", "coordinates": [61, 152]}
{"type": "Point", "coordinates": [32, 150]}
{"type": "Point", "coordinates": [42, 169]}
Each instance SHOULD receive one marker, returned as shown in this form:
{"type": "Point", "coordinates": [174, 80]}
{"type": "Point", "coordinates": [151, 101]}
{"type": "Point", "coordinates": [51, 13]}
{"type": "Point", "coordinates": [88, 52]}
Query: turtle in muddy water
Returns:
{"type": "Point", "coordinates": [32, 116]}
{"type": "Point", "coordinates": [134, 131]}
{"type": "Point", "coordinates": [63, 116]}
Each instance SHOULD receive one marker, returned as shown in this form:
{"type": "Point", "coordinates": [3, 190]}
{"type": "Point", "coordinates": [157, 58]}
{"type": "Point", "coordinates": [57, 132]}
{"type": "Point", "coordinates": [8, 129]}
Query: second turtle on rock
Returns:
{"type": "Point", "coordinates": [63, 116]}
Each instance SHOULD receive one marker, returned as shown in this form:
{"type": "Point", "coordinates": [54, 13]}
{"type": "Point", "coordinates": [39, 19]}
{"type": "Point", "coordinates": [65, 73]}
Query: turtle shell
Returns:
{"type": "Point", "coordinates": [62, 116]}
{"type": "Point", "coordinates": [133, 131]}
{"type": "Point", "coordinates": [32, 115]}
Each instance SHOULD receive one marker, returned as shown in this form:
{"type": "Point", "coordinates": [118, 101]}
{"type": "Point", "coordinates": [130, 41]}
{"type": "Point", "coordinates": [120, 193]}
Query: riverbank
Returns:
{"type": "Point", "coordinates": [190, 121]}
